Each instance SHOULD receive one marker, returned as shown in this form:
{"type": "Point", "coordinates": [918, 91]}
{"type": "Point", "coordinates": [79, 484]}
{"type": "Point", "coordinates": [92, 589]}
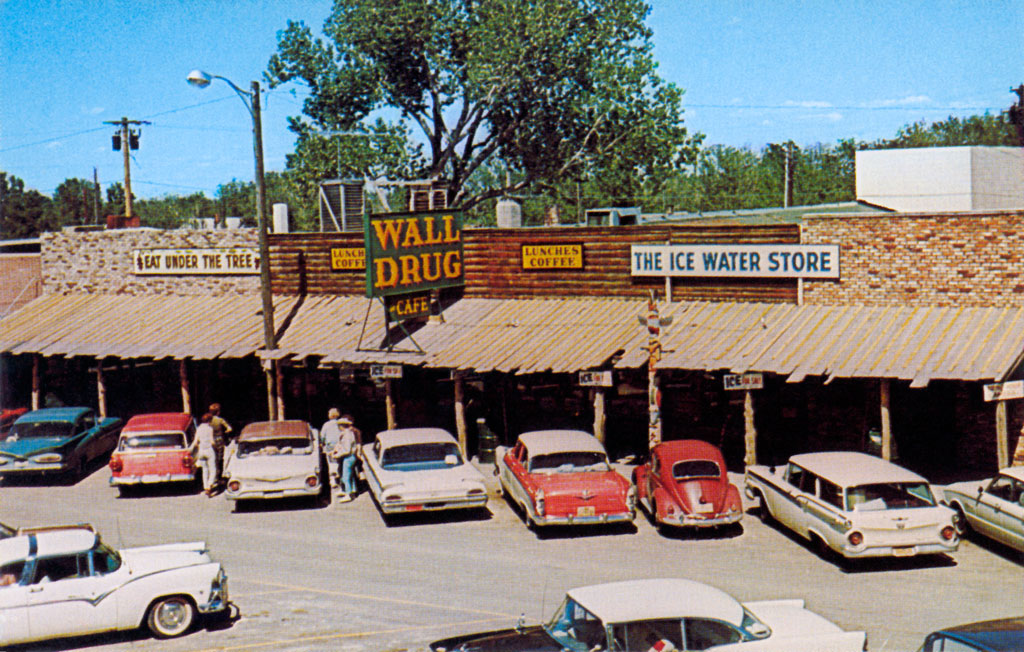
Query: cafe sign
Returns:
{"type": "Point", "coordinates": [552, 256]}
{"type": "Point", "coordinates": [732, 260]}
{"type": "Point", "coordinates": [411, 252]}
{"type": "Point", "coordinates": [408, 306]}
{"type": "Point", "coordinates": [218, 260]}
{"type": "Point", "coordinates": [348, 258]}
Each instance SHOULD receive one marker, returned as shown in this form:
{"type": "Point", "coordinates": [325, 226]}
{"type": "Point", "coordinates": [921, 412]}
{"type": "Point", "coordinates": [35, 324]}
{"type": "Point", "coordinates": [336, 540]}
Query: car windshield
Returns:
{"type": "Point", "coordinates": [42, 430]}
{"type": "Point", "coordinates": [575, 628]}
{"type": "Point", "coordinates": [569, 462]}
{"type": "Point", "coordinates": [690, 469]}
{"type": "Point", "coordinates": [276, 446]}
{"type": "Point", "coordinates": [419, 457]}
{"type": "Point", "coordinates": [889, 495]}
{"type": "Point", "coordinates": [152, 440]}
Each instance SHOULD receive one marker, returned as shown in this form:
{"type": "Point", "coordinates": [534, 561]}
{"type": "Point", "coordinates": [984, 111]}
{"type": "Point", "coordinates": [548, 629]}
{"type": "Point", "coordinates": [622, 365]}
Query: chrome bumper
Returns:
{"type": "Point", "coordinates": [434, 503]}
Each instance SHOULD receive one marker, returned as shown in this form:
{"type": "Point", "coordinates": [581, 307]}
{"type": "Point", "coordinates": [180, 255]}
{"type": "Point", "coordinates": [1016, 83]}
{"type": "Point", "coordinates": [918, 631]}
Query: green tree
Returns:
{"type": "Point", "coordinates": [987, 129]}
{"type": "Point", "coordinates": [23, 213]}
{"type": "Point", "coordinates": [554, 91]}
{"type": "Point", "coordinates": [73, 202]}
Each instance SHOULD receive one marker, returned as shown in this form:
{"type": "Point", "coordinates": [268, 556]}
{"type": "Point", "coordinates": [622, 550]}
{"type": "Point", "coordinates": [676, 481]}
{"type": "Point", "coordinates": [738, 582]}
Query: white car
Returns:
{"type": "Point", "coordinates": [667, 615]}
{"type": "Point", "coordinates": [420, 469]}
{"type": "Point", "coordinates": [856, 504]}
{"type": "Point", "coordinates": [993, 507]}
{"type": "Point", "coordinates": [64, 581]}
{"type": "Point", "coordinates": [274, 459]}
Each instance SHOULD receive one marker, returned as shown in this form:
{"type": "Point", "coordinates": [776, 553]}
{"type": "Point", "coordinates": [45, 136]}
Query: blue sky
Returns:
{"type": "Point", "coordinates": [754, 71]}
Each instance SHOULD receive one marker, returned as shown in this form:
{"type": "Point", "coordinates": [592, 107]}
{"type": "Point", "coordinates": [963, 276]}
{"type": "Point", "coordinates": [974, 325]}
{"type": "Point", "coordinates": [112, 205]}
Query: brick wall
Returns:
{"type": "Point", "coordinates": [951, 259]}
{"type": "Point", "coordinates": [101, 262]}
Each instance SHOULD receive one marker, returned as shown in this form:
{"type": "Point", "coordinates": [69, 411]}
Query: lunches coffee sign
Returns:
{"type": "Point", "coordinates": [219, 260]}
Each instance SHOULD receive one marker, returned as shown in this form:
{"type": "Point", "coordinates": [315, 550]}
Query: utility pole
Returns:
{"type": "Point", "coordinates": [126, 139]}
{"type": "Point", "coordinates": [96, 196]}
{"type": "Point", "coordinates": [787, 199]}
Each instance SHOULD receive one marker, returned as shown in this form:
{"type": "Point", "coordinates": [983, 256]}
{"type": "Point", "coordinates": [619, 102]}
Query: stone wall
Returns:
{"type": "Point", "coordinates": [100, 262]}
{"type": "Point", "coordinates": [944, 259]}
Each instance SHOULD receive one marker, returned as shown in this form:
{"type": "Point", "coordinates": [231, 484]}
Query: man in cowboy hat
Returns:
{"type": "Point", "coordinates": [345, 452]}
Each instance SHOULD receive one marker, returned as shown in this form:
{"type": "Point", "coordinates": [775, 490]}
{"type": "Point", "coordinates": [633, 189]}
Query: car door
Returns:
{"type": "Point", "coordinates": [66, 598]}
{"type": "Point", "coordinates": [13, 604]}
{"type": "Point", "coordinates": [512, 472]}
{"type": "Point", "coordinates": [1011, 516]}
{"type": "Point", "coordinates": [789, 510]}
{"type": "Point", "coordinates": [990, 506]}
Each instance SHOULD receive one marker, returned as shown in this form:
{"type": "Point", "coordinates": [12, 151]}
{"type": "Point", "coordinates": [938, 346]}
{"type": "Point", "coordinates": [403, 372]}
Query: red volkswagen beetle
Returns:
{"type": "Point", "coordinates": [154, 448]}
{"type": "Point", "coordinates": [684, 484]}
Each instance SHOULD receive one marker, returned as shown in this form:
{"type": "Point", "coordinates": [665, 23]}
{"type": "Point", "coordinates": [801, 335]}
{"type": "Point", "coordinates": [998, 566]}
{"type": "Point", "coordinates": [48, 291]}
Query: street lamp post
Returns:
{"type": "Point", "coordinates": [251, 99]}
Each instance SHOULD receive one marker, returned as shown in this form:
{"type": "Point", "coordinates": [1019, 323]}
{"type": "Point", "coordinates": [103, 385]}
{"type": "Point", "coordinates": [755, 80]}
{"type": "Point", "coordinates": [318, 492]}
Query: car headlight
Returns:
{"type": "Point", "coordinates": [3, 460]}
{"type": "Point", "coordinates": [47, 458]}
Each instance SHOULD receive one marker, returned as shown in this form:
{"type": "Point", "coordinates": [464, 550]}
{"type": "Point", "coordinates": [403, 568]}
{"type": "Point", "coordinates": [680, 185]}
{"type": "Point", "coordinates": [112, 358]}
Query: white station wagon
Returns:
{"type": "Point", "coordinates": [420, 469]}
{"type": "Point", "coordinates": [856, 504]}
{"type": "Point", "coordinates": [64, 581]}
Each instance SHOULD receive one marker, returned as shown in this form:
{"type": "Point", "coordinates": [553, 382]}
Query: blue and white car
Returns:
{"type": "Point", "coordinates": [993, 507]}
{"type": "Point", "coordinates": [62, 440]}
{"type": "Point", "coordinates": [64, 581]}
{"type": "Point", "coordinates": [420, 469]}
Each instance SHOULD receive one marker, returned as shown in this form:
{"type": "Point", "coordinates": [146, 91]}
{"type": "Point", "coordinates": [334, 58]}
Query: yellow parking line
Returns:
{"type": "Point", "coordinates": [328, 637]}
{"type": "Point", "coordinates": [380, 599]}
{"type": "Point", "coordinates": [249, 595]}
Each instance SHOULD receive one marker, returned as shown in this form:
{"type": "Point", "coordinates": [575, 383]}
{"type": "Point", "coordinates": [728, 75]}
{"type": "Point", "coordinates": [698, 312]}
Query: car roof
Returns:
{"type": "Point", "coordinates": [543, 442]}
{"type": "Point", "coordinates": [631, 600]}
{"type": "Point", "coordinates": [849, 468]}
{"type": "Point", "coordinates": [273, 429]}
{"type": "Point", "coordinates": [1002, 635]}
{"type": "Point", "coordinates": [161, 421]}
{"type": "Point", "coordinates": [1016, 472]}
{"type": "Point", "coordinates": [53, 414]}
{"type": "Point", "coordinates": [681, 449]}
{"type": "Point", "coordinates": [46, 543]}
{"type": "Point", "coordinates": [404, 436]}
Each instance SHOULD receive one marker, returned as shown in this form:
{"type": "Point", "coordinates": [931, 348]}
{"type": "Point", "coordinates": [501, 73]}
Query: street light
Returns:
{"type": "Point", "coordinates": [251, 99]}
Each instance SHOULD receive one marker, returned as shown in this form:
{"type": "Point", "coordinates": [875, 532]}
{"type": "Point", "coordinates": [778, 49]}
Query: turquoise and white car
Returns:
{"type": "Point", "coordinates": [62, 440]}
{"type": "Point", "coordinates": [64, 581]}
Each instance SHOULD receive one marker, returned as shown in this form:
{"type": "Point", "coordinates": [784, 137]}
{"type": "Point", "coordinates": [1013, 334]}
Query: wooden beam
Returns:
{"type": "Point", "coordinates": [1002, 436]}
{"type": "Point", "coordinates": [460, 412]}
{"type": "Point", "coordinates": [279, 389]}
{"type": "Point", "coordinates": [101, 389]}
{"type": "Point", "coordinates": [884, 398]}
{"type": "Point", "coordinates": [389, 404]}
{"type": "Point", "coordinates": [186, 397]}
{"type": "Point", "coordinates": [749, 430]}
{"type": "Point", "coordinates": [599, 414]}
{"type": "Point", "coordinates": [36, 383]}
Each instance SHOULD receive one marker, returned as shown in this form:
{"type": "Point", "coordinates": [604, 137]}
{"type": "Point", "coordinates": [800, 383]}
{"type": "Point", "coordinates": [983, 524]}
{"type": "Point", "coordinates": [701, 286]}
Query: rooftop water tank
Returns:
{"type": "Point", "coordinates": [510, 214]}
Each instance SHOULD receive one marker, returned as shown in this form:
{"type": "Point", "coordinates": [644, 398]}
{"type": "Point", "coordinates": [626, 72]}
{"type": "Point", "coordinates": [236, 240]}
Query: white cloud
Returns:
{"type": "Point", "coordinates": [910, 100]}
{"type": "Point", "coordinates": [95, 110]}
{"type": "Point", "coordinates": [831, 116]}
{"type": "Point", "coordinates": [808, 104]}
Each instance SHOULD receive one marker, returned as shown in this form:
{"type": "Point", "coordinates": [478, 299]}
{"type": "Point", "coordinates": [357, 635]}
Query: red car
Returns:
{"type": "Point", "coordinates": [7, 418]}
{"type": "Point", "coordinates": [154, 448]}
{"type": "Point", "coordinates": [563, 477]}
{"type": "Point", "coordinates": [684, 483]}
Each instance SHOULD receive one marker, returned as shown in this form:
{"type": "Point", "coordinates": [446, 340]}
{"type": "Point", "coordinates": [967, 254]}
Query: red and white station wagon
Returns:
{"type": "Point", "coordinates": [563, 477]}
{"type": "Point", "coordinates": [154, 448]}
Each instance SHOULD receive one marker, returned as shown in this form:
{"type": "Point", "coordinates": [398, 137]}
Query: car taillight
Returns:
{"type": "Point", "coordinates": [948, 533]}
{"type": "Point", "coordinates": [234, 485]}
{"type": "Point", "coordinates": [116, 465]}
{"type": "Point", "coordinates": [312, 481]}
{"type": "Point", "coordinates": [855, 538]}
{"type": "Point", "coordinates": [631, 499]}
{"type": "Point", "coordinates": [188, 462]}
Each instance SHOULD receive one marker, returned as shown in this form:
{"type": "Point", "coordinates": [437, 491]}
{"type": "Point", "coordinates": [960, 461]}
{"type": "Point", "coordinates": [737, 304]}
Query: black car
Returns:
{"type": "Point", "coordinates": [1003, 635]}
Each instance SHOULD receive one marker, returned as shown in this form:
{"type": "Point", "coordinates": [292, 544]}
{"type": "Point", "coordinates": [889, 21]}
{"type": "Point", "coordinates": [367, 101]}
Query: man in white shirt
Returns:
{"type": "Point", "coordinates": [345, 452]}
{"type": "Point", "coordinates": [330, 434]}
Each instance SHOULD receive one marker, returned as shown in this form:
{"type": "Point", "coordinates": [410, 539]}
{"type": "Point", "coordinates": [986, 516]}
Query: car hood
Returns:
{"type": "Point", "coordinates": [26, 447]}
{"type": "Point", "coordinates": [601, 482]}
{"type": "Point", "coordinates": [152, 559]}
{"type": "Point", "coordinates": [271, 467]}
{"type": "Point", "coordinates": [788, 618]}
{"type": "Point", "coordinates": [454, 477]}
{"type": "Point", "coordinates": [525, 639]}
{"type": "Point", "coordinates": [968, 488]}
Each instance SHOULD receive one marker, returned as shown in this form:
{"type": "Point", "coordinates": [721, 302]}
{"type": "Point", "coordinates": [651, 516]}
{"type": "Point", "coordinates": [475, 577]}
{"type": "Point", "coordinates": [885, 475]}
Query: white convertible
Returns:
{"type": "Point", "coordinates": [855, 504]}
{"type": "Point", "coordinates": [420, 469]}
{"type": "Point", "coordinates": [275, 459]}
{"type": "Point", "coordinates": [64, 581]}
{"type": "Point", "coordinates": [667, 615]}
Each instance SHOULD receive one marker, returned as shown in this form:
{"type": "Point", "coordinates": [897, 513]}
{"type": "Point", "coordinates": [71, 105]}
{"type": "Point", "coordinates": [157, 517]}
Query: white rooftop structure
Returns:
{"type": "Point", "coordinates": [941, 179]}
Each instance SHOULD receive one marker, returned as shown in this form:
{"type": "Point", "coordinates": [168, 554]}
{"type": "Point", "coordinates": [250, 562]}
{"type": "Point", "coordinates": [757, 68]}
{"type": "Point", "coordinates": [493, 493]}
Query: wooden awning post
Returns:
{"type": "Point", "coordinates": [1002, 436]}
{"type": "Point", "coordinates": [389, 404]}
{"type": "Point", "coordinates": [36, 382]}
{"type": "Point", "coordinates": [101, 389]}
{"type": "Point", "coordinates": [279, 386]}
{"type": "Point", "coordinates": [599, 414]}
{"type": "Point", "coordinates": [749, 430]}
{"type": "Point", "coordinates": [268, 372]}
{"type": "Point", "coordinates": [886, 420]}
{"type": "Point", "coordinates": [186, 398]}
{"type": "Point", "coordinates": [460, 412]}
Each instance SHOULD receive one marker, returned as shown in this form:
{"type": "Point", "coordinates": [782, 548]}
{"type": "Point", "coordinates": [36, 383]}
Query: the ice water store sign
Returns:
{"type": "Point", "coordinates": [214, 260]}
{"type": "Point", "coordinates": [761, 260]}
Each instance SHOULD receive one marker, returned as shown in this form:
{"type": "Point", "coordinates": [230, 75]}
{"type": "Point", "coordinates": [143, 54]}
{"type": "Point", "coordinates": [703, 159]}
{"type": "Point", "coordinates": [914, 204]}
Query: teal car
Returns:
{"type": "Point", "coordinates": [61, 441]}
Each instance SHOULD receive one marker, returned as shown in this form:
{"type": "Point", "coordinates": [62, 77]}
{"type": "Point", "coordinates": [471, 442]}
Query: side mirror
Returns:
{"type": "Point", "coordinates": [981, 490]}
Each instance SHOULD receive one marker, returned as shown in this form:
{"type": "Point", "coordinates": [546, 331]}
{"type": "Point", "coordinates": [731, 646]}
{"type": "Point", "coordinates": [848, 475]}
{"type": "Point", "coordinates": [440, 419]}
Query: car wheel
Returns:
{"type": "Point", "coordinates": [125, 491]}
{"type": "Point", "coordinates": [963, 528]}
{"type": "Point", "coordinates": [762, 510]}
{"type": "Point", "coordinates": [170, 617]}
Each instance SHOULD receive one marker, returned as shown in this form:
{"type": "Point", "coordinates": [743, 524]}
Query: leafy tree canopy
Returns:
{"type": "Point", "coordinates": [554, 90]}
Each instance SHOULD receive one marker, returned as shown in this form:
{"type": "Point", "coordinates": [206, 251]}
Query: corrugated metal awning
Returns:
{"type": "Point", "coordinates": [918, 344]}
{"type": "Point", "coordinates": [139, 326]}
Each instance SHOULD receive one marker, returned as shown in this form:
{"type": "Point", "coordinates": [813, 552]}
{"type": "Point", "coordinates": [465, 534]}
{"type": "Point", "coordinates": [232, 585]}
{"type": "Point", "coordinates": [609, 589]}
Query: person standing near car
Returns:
{"type": "Point", "coordinates": [221, 430]}
{"type": "Point", "coordinates": [205, 454]}
{"type": "Point", "coordinates": [330, 435]}
{"type": "Point", "coordinates": [345, 452]}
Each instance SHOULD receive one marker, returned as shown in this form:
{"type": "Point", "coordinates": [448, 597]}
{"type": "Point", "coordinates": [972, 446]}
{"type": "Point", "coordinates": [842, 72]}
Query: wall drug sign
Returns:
{"type": "Point", "coordinates": [750, 260]}
{"type": "Point", "coordinates": [410, 252]}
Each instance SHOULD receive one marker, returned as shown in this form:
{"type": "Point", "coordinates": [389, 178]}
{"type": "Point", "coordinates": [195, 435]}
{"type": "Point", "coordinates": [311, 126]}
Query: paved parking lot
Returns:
{"type": "Point", "coordinates": [337, 578]}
